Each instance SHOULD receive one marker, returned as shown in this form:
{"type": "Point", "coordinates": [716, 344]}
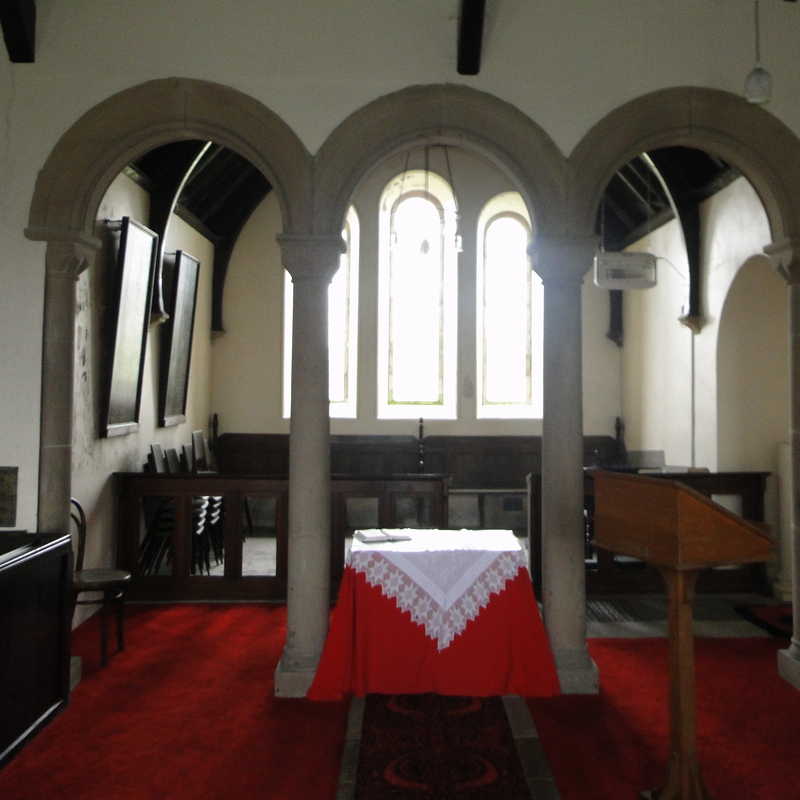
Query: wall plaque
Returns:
{"type": "Point", "coordinates": [8, 496]}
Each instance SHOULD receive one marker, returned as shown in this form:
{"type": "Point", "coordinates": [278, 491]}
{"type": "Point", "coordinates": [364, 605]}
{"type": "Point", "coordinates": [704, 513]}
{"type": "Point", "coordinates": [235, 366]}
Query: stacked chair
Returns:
{"type": "Point", "coordinates": [207, 512]}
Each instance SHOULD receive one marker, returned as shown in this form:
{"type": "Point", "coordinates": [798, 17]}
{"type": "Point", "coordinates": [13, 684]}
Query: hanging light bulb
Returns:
{"type": "Point", "coordinates": [758, 84]}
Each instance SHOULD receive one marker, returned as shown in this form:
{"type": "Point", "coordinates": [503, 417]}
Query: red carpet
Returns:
{"type": "Point", "coordinates": [185, 712]}
{"type": "Point", "coordinates": [611, 746]}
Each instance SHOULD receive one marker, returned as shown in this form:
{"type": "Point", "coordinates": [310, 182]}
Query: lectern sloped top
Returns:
{"type": "Point", "coordinates": [669, 524]}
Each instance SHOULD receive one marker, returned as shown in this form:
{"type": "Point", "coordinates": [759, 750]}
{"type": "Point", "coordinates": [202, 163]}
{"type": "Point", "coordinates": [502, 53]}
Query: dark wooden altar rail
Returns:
{"type": "Point", "coordinates": [132, 487]}
{"type": "Point", "coordinates": [606, 576]}
{"type": "Point", "coordinates": [428, 490]}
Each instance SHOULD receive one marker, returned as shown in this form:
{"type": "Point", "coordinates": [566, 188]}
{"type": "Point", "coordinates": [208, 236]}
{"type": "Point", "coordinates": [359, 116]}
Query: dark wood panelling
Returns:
{"type": "Point", "coordinates": [18, 18]}
{"type": "Point", "coordinates": [472, 462]}
{"type": "Point", "coordinates": [135, 490]}
{"type": "Point", "coordinates": [253, 453]}
{"type": "Point", "coordinates": [35, 616]}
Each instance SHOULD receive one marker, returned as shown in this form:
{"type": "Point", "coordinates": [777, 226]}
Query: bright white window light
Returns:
{"type": "Point", "coordinates": [509, 313]}
{"type": "Point", "coordinates": [417, 298]}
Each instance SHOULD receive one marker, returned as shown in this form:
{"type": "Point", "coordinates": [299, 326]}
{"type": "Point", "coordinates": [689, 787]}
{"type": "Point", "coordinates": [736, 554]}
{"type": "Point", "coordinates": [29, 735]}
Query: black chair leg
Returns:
{"type": "Point", "coordinates": [120, 623]}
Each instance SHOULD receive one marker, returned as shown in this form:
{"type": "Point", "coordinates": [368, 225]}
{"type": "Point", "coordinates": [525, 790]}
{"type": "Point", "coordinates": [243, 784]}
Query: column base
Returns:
{"type": "Point", "coordinates": [789, 664]}
{"type": "Point", "coordinates": [293, 681]}
{"type": "Point", "coordinates": [782, 590]}
{"type": "Point", "coordinates": [577, 673]}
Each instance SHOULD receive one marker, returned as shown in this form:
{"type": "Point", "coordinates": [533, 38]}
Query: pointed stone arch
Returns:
{"type": "Point", "coordinates": [68, 192]}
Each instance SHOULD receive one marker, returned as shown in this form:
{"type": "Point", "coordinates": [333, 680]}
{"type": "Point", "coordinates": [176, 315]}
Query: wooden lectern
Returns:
{"type": "Point", "coordinates": [681, 532]}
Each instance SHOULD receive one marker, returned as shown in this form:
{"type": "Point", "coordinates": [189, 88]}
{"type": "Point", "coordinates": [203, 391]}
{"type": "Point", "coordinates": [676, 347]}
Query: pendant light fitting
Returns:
{"type": "Point", "coordinates": [758, 84]}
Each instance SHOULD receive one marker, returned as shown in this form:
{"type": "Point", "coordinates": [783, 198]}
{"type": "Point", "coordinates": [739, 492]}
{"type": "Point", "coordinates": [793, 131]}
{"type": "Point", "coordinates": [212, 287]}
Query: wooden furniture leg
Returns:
{"type": "Point", "coordinates": [120, 623]}
{"type": "Point", "coordinates": [684, 781]}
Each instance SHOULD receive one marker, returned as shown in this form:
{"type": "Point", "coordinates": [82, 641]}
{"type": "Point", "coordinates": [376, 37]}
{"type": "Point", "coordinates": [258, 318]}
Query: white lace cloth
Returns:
{"type": "Point", "coordinates": [442, 578]}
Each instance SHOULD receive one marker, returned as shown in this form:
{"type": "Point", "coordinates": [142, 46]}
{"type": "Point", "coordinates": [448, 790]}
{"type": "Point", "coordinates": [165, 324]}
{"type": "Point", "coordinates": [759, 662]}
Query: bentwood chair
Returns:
{"type": "Point", "coordinates": [112, 583]}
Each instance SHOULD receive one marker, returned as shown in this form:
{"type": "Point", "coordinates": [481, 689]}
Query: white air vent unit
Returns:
{"type": "Point", "coordinates": [625, 270]}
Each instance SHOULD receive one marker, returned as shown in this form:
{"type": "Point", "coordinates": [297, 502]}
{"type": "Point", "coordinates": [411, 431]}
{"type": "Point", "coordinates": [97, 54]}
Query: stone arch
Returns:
{"type": "Point", "coordinates": [446, 114]}
{"type": "Point", "coordinates": [68, 192]}
{"type": "Point", "coordinates": [745, 135]}
{"type": "Point", "coordinates": [94, 150]}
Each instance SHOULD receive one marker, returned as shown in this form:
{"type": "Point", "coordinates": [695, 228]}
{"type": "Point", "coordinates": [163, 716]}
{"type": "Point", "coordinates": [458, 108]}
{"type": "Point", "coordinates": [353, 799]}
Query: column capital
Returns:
{"type": "Point", "coordinates": [562, 260]}
{"type": "Point", "coordinates": [785, 257]}
{"type": "Point", "coordinates": [67, 259]}
{"type": "Point", "coordinates": [309, 257]}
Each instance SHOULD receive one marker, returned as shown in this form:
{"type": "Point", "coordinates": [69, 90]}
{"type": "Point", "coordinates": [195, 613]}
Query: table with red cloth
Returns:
{"type": "Point", "coordinates": [450, 612]}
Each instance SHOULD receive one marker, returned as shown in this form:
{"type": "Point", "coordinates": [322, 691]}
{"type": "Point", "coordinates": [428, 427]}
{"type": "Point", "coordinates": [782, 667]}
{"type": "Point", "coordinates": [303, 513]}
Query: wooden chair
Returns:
{"type": "Point", "coordinates": [111, 582]}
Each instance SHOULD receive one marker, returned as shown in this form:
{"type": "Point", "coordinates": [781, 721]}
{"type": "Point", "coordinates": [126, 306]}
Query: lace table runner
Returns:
{"type": "Point", "coordinates": [442, 578]}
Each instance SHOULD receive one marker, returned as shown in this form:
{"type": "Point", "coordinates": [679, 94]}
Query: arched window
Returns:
{"type": "Point", "coordinates": [342, 329]}
{"type": "Point", "coordinates": [417, 298]}
{"type": "Point", "coordinates": [509, 313]}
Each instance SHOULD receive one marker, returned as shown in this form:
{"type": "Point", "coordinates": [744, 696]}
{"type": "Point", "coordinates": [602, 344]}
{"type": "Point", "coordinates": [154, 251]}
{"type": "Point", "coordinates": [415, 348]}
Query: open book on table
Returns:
{"type": "Point", "coordinates": [381, 535]}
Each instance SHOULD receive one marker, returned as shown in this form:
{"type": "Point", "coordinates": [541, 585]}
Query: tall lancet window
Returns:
{"type": "Point", "coordinates": [417, 298]}
{"type": "Point", "coordinates": [342, 329]}
{"type": "Point", "coordinates": [509, 313]}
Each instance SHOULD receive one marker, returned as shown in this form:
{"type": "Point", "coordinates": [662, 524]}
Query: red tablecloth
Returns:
{"type": "Point", "coordinates": [373, 646]}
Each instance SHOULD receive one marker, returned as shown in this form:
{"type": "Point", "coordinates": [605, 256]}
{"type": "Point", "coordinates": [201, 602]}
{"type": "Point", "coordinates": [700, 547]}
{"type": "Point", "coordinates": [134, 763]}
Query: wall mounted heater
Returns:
{"type": "Point", "coordinates": [625, 270]}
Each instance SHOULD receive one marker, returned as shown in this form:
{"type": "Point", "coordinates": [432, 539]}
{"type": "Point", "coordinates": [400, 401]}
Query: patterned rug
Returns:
{"type": "Point", "coordinates": [434, 746]}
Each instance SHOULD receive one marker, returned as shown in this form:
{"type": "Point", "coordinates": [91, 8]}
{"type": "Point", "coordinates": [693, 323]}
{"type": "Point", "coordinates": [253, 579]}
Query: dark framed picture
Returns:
{"type": "Point", "coordinates": [136, 249]}
{"type": "Point", "coordinates": [180, 272]}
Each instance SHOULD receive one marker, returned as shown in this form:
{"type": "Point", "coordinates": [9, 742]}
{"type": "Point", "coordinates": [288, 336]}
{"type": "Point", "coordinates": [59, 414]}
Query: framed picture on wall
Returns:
{"type": "Point", "coordinates": [180, 272]}
{"type": "Point", "coordinates": [131, 286]}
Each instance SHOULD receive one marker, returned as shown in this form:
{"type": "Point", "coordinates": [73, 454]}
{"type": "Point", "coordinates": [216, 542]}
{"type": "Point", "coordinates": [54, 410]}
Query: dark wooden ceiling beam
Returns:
{"type": "Point", "coordinates": [18, 18]}
{"type": "Point", "coordinates": [163, 198]}
{"type": "Point", "coordinates": [470, 36]}
{"type": "Point", "coordinates": [687, 208]}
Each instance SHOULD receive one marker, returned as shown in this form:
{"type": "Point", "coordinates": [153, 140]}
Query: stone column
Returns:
{"type": "Point", "coordinates": [64, 262]}
{"type": "Point", "coordinates": [786, 257]}
{"type": "Point", "coordinates": [312, 262]}
{"type": "Point", "coordinates": [561, 262]}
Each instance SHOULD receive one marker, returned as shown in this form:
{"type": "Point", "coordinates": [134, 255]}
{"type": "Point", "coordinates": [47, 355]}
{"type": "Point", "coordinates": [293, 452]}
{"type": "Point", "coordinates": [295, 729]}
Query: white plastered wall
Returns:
{"type": "Point", "coordinates": [663, 363]}
{"type": "Point", "coordinates": [248, 359]}
{"type": "Point", "coordinates": [657, 354]}
{"type": "Point", "coordinates": [734, 227]}
{"type": "Point", "coordinates": [94, 460]}
{"type": "Point", "coordinates": [753, 386]}
{"type": "Point", "coordinates": [752, 375]}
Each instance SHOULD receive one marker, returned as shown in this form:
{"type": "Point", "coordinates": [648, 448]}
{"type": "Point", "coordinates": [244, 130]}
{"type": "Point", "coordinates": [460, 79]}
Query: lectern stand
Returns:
{"type": "Point", "coordinates": [681, 532]}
